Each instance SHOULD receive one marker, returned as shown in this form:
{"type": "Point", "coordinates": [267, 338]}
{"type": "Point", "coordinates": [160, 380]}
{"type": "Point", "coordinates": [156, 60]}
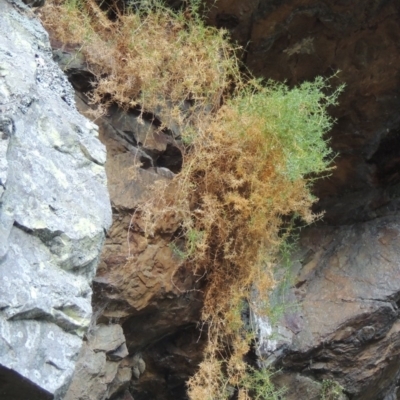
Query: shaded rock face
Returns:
{"type": "Point", "coordinates": [169, 363]}
{"type": "Point", "coordinates": [343, 323]}
{"type": "Point", "coordinates": [54, 210]}
{"type": "Point", "coordinates": [141, 283]}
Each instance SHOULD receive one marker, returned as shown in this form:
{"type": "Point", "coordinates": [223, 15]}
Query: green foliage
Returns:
{"type": "Point", "coordinates": [193, 239]}
{"type": "Point", "coordinates": [331, 390]}
{"type": "Point", "coordinates": [295, 119]}
{"type": "Point", "coordinates": [278, 302]}
{"type": "Point", "coordinates": [260, 386]}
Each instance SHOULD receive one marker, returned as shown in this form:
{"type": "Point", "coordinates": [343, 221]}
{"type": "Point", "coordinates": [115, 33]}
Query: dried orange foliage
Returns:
{"type": "Point", "coordinates": [154, 58]}
{"type": "Point", "coordinates": [245, 170]}
{"type": "Point", "coordinates": [246, 163]}
{"type": "Point", "coordinates": [238, 198]}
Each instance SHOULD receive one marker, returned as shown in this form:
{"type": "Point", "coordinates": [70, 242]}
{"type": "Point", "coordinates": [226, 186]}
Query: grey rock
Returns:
{"type": "Point", "coordinates": [54, 208]}
{"type": "Point", "coordinates": [138, 365]}
{"type": "Point", "coordinates": [107, 338]}
{"type": "Point", "coordinates": [118, 354]}
{"type": "Point", "coordinates": [91, 376]}
{"type": "Point", "coordinates": [100, 373]}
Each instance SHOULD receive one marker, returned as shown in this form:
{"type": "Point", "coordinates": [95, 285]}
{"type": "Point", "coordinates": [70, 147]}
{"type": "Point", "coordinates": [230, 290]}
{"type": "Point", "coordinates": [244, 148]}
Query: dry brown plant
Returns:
{"type": "Point", "coordinates": [161, 61]}
{"type": "Point", "coordinates": [248, 155]}
{"type": "Point", "coordinates": [246, 169]}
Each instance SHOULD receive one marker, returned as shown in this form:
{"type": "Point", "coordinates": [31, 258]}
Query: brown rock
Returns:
{"type": "Point", "coordinates": [348, 308]}
{"type": "Point", "coordinates": [141, 283]}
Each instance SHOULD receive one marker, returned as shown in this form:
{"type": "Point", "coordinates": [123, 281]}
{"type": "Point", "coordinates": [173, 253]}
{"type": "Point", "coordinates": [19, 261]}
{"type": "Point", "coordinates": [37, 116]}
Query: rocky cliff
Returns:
{"type": "Point", "coordinates": [54, 211]}
{"type": "Point", "coordinates": [341, 305]}
{"type": "Point", "coordinates": [341, 313]}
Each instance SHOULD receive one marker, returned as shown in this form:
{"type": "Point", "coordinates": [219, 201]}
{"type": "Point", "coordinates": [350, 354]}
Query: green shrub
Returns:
{"type": "Point", "coordinates": [331, 390]}
{"type": "Point", "coordinates": [259, 384]}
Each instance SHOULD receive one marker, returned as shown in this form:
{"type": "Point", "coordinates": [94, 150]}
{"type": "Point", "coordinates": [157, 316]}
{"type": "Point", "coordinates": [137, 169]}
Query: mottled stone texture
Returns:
{"type": "Point", "coordinates": [54, 210]}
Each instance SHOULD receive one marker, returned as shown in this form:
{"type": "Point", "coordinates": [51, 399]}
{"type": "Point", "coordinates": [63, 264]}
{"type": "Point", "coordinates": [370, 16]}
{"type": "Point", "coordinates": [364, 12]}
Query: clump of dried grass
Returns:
{"type": "Point", "coordinates": [168, 63]}
{"type": "Point", "coordinates": [249, 156]}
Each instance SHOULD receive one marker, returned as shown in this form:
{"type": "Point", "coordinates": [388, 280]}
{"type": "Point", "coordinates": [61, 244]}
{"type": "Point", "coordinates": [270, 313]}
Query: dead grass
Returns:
{"type": "Point", "coordinates": [248, 157]}
{"type": "Point", "coordinates": [167, 63]}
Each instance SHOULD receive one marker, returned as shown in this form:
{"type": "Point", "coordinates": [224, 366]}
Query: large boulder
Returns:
{"type": "Point", "coordinates": [54, 210]}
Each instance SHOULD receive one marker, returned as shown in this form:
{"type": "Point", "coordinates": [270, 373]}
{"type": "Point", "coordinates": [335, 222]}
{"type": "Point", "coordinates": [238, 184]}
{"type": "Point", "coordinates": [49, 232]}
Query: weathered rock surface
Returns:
{"type": "Point", "coordinates": [140, 281]}
{"type": "Point", "coordinates": [344, 322]}
{"type": "Point", "coordinates": [100, 373]}
{"type": "Point", "coordinates": [54, 210]}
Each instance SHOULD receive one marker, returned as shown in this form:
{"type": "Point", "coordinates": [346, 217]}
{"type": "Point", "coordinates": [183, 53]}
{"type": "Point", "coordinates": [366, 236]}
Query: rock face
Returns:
{"type": "Point", "coordinates": [140, 283]}
{"type": "Point", "coordinates": [54, 210]}
{"type": "Point", "coordinates": [342, 321]}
